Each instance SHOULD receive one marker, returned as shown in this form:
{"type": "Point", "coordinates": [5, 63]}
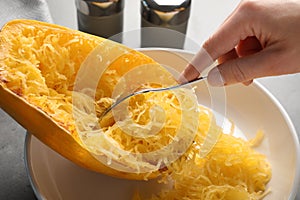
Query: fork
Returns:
{"type": "Point", "coordinates": [143, 91]}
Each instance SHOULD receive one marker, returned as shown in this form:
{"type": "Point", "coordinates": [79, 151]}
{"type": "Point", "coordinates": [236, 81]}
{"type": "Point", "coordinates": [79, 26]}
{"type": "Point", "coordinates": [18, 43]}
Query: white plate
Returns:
{"type": "Point", "coordinates": [251, 108]}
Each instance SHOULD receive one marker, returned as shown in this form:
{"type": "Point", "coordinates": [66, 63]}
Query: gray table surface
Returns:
{"type": "Point", "coordinates": [14, 182]}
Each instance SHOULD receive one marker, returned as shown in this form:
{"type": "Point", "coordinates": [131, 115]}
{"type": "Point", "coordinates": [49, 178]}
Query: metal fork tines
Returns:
{"type": "Point", "coordinates": [120, 100]}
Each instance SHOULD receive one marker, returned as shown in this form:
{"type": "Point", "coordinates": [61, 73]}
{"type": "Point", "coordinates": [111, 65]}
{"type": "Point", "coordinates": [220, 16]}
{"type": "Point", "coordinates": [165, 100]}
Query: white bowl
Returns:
{"type": "Point", "coordinates": [251, 108]}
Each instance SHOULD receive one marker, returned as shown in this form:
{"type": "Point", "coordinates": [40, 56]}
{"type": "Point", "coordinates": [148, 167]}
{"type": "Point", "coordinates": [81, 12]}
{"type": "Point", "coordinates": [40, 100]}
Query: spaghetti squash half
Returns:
{"type": "Point", "coordinates": [159, 134]}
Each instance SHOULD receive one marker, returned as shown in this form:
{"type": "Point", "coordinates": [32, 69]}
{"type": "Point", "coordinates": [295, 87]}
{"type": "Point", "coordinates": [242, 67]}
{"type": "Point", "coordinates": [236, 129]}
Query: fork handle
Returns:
{"type": "Point", "coordinates": [194, 80]}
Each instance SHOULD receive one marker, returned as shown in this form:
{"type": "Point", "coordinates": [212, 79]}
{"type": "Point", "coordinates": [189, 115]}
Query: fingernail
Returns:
{"type": "Point", "coordinates": [182, 79]}
{"type": "Point", "coordinates": [189, 73]}
{"type": "Point", "coordinates": [215, 78]}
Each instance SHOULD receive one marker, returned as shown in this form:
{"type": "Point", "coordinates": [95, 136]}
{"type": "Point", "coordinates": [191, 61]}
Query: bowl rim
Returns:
{"type": "Point", "coordinates": [255, 84]}
{"type": "Point", "coordinates": [28, 167]}
{"type": "Point", "coordinates": [296, 183]}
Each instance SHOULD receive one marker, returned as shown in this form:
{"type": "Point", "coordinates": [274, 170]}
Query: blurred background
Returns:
{"type": "Point", "coordinates": [205, 17]}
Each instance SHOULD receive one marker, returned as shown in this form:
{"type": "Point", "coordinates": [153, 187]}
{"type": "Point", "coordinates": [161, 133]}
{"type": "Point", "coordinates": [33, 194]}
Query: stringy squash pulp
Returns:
{"type": "Point", "coordinates": [39, 63]}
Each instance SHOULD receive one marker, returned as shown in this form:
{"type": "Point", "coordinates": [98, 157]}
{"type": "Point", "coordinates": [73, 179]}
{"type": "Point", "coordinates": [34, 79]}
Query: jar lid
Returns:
{"type": "Point", "coordinates": [166, 6]}
{"type": "Point", "coordinates": [100, 8]}
{"type": "Point", "coordinates": [162, 12]}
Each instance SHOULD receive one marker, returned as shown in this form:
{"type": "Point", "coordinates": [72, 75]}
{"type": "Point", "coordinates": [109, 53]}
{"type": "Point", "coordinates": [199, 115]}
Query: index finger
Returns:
{"type": "Point", "coordinates": [199, 62]}
{"type": "Point", "coordinates": [228, 35]}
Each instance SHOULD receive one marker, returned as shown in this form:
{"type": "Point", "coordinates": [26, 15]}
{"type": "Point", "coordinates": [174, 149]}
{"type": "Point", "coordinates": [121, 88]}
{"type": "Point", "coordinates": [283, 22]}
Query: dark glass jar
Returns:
{"type": "Point", "coordinates": [101, 17]}
{"type": "Point", "coordinates": [168, 21]}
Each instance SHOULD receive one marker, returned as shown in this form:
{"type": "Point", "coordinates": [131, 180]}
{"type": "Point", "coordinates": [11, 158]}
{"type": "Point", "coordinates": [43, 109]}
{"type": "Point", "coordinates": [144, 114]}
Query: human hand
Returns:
{"type": "Point", "coordinates": [260, 38]}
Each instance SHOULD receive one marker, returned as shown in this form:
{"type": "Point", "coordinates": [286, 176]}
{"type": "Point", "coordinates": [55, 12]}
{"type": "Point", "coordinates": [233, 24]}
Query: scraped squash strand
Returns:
{"type": "Point", "coordinates": [233, 170]}
{"type": "Point", "coordinates": [41, 67]}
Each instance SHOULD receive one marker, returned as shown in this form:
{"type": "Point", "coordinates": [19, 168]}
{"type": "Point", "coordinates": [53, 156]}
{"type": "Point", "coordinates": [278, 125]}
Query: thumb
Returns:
{"type": "Point", "coordinates": [243, 69]}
